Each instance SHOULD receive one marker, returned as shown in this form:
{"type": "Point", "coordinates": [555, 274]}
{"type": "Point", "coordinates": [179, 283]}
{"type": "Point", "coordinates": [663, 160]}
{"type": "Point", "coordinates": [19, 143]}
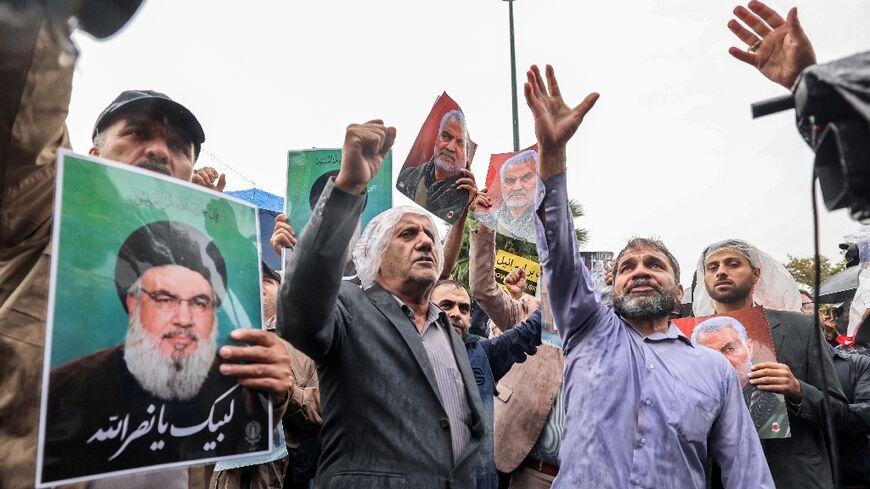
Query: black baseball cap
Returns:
{"type": "Point", "coordinates": [143, 101]}
{"type": "Point", "coordinates": [269, 273]}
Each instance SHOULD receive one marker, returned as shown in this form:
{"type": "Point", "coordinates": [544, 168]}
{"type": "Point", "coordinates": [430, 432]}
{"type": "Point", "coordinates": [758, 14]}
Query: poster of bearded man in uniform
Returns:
{"type": "Point", "coordinates": [744, 338]}
{"type": "Point", "coordinates": [437, 173]}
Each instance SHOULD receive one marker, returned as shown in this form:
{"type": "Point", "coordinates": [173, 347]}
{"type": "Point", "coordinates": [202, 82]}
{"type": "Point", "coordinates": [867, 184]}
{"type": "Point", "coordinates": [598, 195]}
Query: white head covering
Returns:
{"type": "Point", "coordinates": [370, 248]}
{"type": "Point", "coordinates": [776, 287]}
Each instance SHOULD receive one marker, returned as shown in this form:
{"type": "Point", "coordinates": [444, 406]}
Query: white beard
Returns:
{"type": "Point", "coordinates": [166, 378]}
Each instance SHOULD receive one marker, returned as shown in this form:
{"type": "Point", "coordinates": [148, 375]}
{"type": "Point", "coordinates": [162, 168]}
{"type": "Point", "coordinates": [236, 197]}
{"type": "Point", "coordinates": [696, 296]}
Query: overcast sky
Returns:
{"type": "Point", "coordinates": [669, 150]}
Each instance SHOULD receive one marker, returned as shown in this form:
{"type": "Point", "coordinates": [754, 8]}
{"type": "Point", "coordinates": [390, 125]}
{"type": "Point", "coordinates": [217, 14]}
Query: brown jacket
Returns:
{"type": "Point", "coordinates": [504, 310]}
{"type": "Point", "coordinates": [34, 98]}
{"type": "Point", "coordinates": [527, 393]}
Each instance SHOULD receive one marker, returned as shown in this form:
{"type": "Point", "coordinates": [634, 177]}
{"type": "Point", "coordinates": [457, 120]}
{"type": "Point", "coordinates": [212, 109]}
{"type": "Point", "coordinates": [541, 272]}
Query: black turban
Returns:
{"type": "Point", "coordinates": [169, 243]}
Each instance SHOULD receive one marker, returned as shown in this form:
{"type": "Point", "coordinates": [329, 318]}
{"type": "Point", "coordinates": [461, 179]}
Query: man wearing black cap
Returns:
{"type": "Point", "coordinates": [171, 280]}
{"type": "Point", "coordinates": [35, 87]}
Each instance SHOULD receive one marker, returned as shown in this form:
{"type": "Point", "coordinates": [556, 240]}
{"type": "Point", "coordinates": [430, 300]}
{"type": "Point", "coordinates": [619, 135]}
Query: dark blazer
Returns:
{"type": "Point", "coordinates": [802, 460]}
{"type": "Point", "coordinates": [384, 425]}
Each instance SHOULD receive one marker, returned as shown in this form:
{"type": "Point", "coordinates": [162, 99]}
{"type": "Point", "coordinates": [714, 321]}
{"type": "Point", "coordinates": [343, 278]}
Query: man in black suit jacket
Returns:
{"type": "Point", "coordinates": [400, 402]}
{"type": "Point", "coordinates": [732, 272]}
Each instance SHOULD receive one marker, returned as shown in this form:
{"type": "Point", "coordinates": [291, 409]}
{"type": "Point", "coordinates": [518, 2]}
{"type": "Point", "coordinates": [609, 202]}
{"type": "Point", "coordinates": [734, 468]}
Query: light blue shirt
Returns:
{"type": "Point", "coordinates": [641, 411]}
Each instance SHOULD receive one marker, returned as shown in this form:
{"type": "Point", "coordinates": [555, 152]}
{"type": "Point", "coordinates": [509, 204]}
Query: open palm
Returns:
{"type": "Point", "coordinates": [555, 122]}
{"type": "Point", "coordinates": [783, 49]}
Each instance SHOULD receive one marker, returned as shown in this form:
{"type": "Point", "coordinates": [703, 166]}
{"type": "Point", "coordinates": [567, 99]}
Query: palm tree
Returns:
{"type": "Point", "coordinates": [522, 248]}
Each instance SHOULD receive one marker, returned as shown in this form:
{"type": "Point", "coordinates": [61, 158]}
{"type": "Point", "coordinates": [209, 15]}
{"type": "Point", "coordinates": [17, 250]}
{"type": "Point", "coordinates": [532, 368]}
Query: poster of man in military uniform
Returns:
{"type": "Point", "coordinates": [437, 173]}
{"type": "Point", "coordinates": [743, 337]}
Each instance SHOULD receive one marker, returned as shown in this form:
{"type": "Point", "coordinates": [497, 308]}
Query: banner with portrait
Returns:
{"type": "Point", "coordinates": [308, 170]}
{"type": "Point", "coordinates": [510, 183]}
{"type": "Point", "coordinates": [744, 338]}
{"type": "Point", "coordinates": [431, 174]}
{"type": "Point", "coordinates": [149, 275]}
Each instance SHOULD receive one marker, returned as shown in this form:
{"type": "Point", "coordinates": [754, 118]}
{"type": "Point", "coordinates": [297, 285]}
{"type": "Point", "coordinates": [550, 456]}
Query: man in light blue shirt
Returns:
{"type": "Point", "coordinates": [644, 407]}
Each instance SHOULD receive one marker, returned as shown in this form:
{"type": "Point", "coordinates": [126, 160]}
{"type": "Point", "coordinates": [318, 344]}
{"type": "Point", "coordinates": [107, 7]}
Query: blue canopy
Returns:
{"type": "Point", "coordinates": [270, 205]}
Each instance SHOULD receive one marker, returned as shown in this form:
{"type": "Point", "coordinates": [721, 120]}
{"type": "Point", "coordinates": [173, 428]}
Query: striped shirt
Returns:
{"type": "Point", "coordinates": [436, 341]}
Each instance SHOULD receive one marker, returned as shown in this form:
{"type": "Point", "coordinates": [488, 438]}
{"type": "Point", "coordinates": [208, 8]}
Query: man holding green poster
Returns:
{"type": "Point", "coordinates": [147, 130]}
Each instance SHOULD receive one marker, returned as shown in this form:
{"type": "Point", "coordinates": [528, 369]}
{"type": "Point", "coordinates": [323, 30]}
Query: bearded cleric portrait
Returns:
{"type": "Point", "coordinates": [156, 398]}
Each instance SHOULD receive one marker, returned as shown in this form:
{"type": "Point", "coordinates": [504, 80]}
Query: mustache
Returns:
{"type": "Point", "coordinates": [180, 332]}
{"type": "Point", "coordinates": [155, 164]}
{"type": "Point", "coordinates": [644, 282]}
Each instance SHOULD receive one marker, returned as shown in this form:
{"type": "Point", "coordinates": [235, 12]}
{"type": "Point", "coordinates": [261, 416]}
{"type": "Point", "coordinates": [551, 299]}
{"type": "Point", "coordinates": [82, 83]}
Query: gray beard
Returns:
{"type": "Point", "coordinates": [520, 202]}
{"type": "Point", "coordinates": [166, 378]}
{"type": "Point", "coordinates": [449, 168]}
{"type": "Point", "coordinates": [655, 307]}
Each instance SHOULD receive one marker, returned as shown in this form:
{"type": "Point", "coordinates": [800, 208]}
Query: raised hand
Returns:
{"type": "Point", "coordinates": [365, 147]}
{"type": "Point", "coordinates": [283, 236]}
{"type": "Point", "coordinates": [467, 183]}
{"type": "Point", "coordinates": [481, 201]}
{"type": "Point", "coordinates": [208, 177]}
{"type": "Point", "coordinates": [555, 122]}
{"type": "Point", "coordinates": [778, 48]}
{"type": "Point", "coordinates": [515, 282]}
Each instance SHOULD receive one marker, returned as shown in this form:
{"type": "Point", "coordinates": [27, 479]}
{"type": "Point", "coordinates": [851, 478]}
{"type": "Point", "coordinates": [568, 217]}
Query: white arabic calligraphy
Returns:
{"type": "Point", "coordinates": [119, 427]}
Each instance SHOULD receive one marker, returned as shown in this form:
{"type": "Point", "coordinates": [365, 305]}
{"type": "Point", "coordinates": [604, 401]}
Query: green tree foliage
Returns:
{"type": "Point", "coordinates": [803, 269]}
{"type": "Point", "coordinates": [460, 271]}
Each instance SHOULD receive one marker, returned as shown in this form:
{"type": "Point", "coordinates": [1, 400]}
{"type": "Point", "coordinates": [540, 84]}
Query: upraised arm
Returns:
{"type": "Point", "coordinates": [453, 242]}
{"type": "Point", "coordinates": [572, 301]}
{"type": "Point", "coordinates": [504, 310]}
{"type": "Point", "coordinates": [308, 313]}
{"type": "Point", "coordinates": [779, 48]}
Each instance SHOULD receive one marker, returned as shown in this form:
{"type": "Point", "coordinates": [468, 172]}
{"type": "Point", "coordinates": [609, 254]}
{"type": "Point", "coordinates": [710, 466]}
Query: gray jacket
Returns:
{"type": "Point", "coordinates": [384, 425]}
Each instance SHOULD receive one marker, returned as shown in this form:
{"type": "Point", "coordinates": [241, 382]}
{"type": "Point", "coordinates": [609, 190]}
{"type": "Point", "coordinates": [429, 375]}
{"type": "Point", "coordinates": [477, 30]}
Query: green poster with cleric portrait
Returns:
{"type": "Point", "coordinates": [308, 170]}
{"type": "Point", "coordinates": [148, 277]}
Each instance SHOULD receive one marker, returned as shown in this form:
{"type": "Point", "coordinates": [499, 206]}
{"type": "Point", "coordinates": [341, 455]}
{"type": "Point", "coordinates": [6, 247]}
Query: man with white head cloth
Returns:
{"type": "Point", "coordinates": [400, 403]}
{"type": "Point", "coordinates": [737, 275]}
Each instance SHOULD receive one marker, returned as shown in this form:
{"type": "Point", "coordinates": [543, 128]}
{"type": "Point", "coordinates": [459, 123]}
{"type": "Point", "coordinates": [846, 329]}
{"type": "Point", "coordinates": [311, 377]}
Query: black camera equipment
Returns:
{"type": "Point", "coordinates": [832, 106]}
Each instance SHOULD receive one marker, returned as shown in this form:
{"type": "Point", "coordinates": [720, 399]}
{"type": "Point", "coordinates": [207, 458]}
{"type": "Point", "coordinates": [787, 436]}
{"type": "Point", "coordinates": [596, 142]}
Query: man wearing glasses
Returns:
{"type": "Point", "coordinates": [171, 279]}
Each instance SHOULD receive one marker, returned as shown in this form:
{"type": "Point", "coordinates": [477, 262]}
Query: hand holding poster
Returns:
{"type": "Point", "coordinates": [438, 161]}
{"type": "Point", "coordinates": [744, 338]}
{"type": "Point", "coordinates": [148, 278]}
{"type": "Point", "coordinates": [510, 185]}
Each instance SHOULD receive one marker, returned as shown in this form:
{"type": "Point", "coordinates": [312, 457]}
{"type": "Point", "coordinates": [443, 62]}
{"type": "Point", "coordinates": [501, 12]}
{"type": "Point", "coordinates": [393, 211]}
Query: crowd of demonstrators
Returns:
{"type": "Point", "coordinates": [366, 352]}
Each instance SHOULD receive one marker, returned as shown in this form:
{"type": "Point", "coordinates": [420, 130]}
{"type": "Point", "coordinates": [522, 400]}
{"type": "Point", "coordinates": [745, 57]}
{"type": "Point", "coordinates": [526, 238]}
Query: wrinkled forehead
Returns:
{"type": "Point", "coordinates": [414, 219]}
{"type": "Point", "coordinates": [454, 127]}
{"type": "Point", "coordinates": [639, 253]}
{"type": "Point", "coordinates": [451, 291]}
{"type": "Point", "coordinates": [725, 333]}
{"type": "Point", "coordinates": [149, 119]}
{"type": "Point", "coordinates": [726, 253]}
{"type": "Point", "coordinates": [520, 167]}
{"type": "Point", "coordinates": [176, 279]}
